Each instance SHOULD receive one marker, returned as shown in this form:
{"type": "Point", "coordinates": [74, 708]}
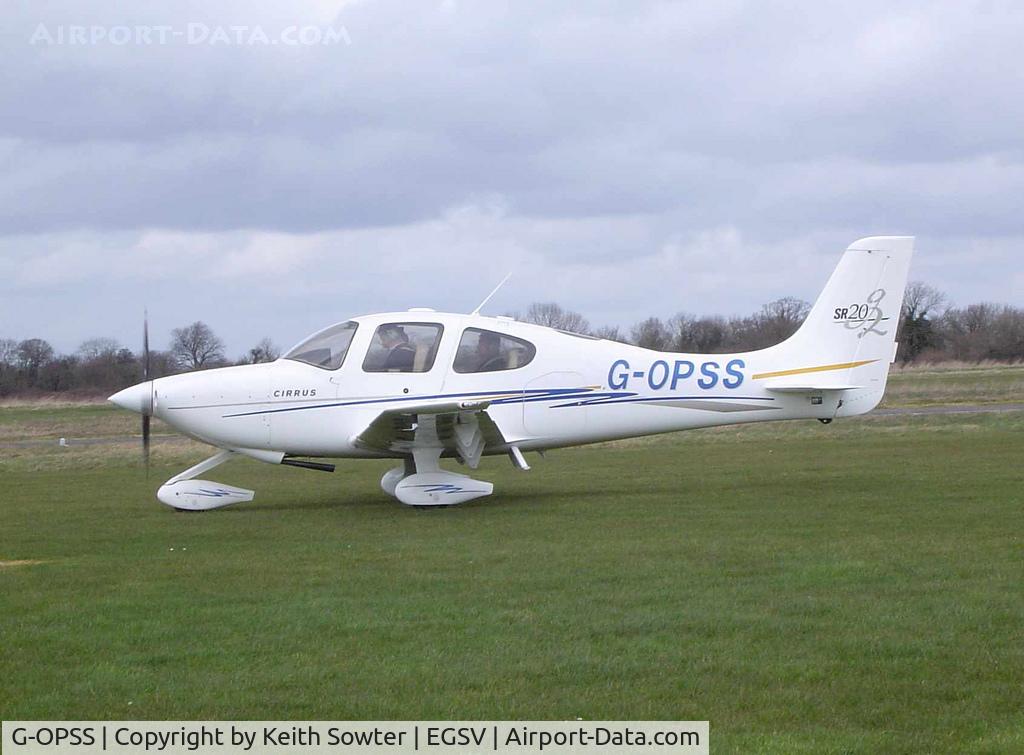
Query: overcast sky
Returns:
{"type": "Point", "coordinates": [624, 159]}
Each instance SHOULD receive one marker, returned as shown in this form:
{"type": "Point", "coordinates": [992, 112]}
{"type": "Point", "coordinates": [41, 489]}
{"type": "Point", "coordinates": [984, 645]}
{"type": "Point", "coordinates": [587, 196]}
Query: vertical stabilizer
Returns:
{"type": "Point", "coordinates": [849, 338]}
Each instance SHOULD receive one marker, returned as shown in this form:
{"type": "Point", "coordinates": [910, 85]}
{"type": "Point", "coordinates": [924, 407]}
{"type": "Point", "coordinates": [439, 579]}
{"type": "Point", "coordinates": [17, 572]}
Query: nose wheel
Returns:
{"type": "Point", "coordinates": [184, 493]}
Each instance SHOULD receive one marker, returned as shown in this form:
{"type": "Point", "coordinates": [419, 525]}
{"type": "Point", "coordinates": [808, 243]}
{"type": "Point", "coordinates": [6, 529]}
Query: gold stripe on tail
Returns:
{"type": "Point", "coordinates": [805, 370]}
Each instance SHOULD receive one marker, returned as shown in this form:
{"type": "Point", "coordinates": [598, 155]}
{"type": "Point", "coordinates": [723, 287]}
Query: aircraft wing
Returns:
{"type": "Point", "coordinates": [462, 427]}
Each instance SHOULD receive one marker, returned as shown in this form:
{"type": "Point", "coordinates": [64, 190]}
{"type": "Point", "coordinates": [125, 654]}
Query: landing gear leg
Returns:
{"type": "Point", "coordinates": [430, 485]}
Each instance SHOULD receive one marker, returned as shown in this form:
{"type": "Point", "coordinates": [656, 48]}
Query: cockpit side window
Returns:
{"type": "Point", "coordinates": [487, 351]}
{"type": "Point", "coordinates": [326, 349]}
{"type": "Point", "coordinates": [403, 347]}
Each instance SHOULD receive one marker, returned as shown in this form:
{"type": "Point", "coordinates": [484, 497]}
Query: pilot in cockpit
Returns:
{"type": "Point", "coordinates": [401, 354]}
{"type": "Point", "coordinates": [488, 353]}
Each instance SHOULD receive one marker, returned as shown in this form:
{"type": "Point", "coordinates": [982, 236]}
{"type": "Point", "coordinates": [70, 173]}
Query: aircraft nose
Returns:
{"type": "Point", "coordinates": [138, 398]}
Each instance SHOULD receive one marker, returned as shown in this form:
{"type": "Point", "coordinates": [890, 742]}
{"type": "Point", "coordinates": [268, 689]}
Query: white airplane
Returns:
{"type": "Point", "coordinates": [419, 386]}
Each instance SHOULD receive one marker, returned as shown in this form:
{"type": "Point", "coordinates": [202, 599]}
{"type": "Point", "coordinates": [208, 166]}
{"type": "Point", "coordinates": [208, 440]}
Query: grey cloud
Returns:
{"type": "Point", "coordinates": [250, 284]}
{"type": "Point", "coordinates": [597, 138]}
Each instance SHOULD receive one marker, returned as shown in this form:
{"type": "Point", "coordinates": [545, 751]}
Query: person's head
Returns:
{"type": "Point", "coordinates": [392, 335]}
{"type": "Point", "coordinates": [488, 345]}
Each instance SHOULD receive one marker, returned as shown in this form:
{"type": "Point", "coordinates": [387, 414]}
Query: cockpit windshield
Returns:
{"type": "Point", "coordinates": [326, 349]}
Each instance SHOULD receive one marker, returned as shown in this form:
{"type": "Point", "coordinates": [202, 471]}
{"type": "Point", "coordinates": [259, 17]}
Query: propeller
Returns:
{"type": "Point", "coordinates": [148, 409]}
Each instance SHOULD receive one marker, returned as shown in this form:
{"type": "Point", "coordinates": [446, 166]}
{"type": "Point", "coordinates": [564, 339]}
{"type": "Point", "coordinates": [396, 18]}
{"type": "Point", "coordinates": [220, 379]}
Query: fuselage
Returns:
{"type": "Point", "coordinates": [571, 389]}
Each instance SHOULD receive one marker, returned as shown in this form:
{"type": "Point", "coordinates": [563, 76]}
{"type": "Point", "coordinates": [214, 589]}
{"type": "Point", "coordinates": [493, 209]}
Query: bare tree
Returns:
{"type": "Point", "coordinates": [95, 348]}
{"type": "Point", "coordinates": [697, 335]}
{"type": "Point", "coordinates": [8, 365]}
{"type": "Point", "coordinates": [553, 315]}
{"type": "Point", "coordinates": [781, 318]}
{"type": "Point", "coordinates": [264, 351]}
{"type": "Point", "coordinates": [163, 363]}
{"type": "Point", "coordinates": [58, 374]}
{"type": "Point", "coordinates": [33, 353]}
{"type": "Point", "coordinates": [102, 363]}
{"type": "Point", "coordinates": [921, 300]}
{"type": "Point", "coordinates": [8, 352]}
{"type": "Point", "coordinates": [982, 331]}
{"type": "Point", "coordinates": [610, 333]}
{"type": "Point", "coordinates": [652, 334]}
{"type": "Point", "coordinates": [921, 303]}
{"type": "Point", "coordinates": [1009, 334]}
{"type": "Point", "coordinates": [196, 346]}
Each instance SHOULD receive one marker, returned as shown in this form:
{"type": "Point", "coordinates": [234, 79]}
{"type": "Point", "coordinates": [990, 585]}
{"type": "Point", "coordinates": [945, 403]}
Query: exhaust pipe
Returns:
{"type": "Point", "coordinates": [303, 464]}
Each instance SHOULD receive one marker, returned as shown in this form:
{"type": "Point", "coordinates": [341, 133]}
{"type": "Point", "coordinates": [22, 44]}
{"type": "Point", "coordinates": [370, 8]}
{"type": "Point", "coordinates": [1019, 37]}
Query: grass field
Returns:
{"type": "Point", "coordinates": [955, 383]}
{"type": "Point", "coordinates": [851, 588]}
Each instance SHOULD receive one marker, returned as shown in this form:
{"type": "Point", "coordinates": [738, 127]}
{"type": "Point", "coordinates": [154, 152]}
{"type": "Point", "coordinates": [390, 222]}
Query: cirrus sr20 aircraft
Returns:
{"type": "Point", "coordinates": [419, 386]}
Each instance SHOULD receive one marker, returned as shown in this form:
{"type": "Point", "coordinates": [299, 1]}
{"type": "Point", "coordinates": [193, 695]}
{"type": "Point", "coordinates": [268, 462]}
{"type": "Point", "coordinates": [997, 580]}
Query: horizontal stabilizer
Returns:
{"type": "Point", "coordinates": [810, 388]}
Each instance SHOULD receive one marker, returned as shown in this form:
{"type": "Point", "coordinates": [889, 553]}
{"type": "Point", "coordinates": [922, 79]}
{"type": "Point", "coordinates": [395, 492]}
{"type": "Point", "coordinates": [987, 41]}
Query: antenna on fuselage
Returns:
{"type": "Point", "coordinates": [488, 297]}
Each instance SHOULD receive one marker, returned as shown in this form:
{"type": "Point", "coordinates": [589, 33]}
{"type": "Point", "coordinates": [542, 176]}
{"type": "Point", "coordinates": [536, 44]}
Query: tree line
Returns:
{"type": "Point", "coordinates": [931, 331]}
{"type": "Point", "coordinates": [100, 365]}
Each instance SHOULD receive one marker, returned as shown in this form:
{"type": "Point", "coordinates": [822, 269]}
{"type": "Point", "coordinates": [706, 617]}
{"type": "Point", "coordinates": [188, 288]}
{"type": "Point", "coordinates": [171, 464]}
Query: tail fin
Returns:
{"type": "Point", "coordinates": [848, 340]}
